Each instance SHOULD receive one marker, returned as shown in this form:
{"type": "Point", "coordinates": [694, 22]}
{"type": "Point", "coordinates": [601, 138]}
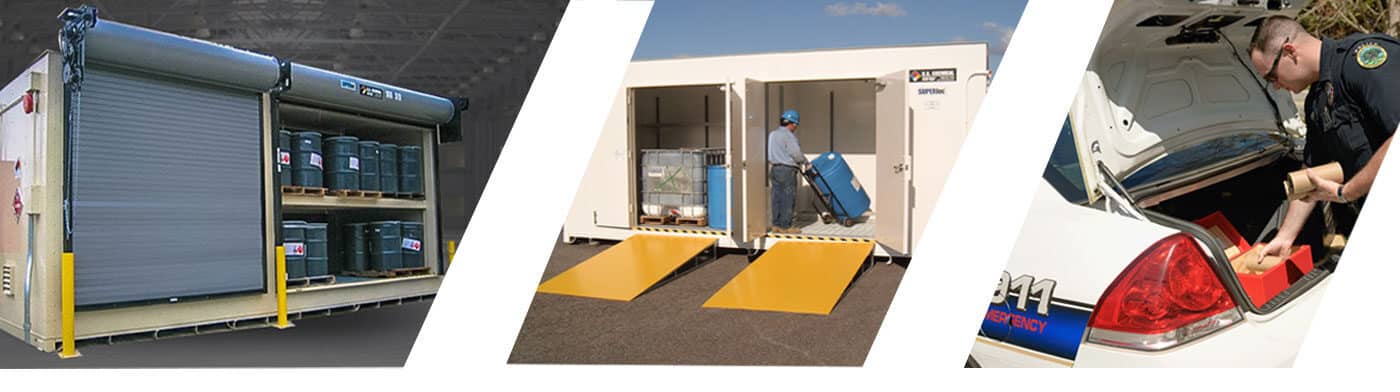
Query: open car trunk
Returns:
{"type": "Point", "coordinates": [1190, 130]}
{"type": "Point", "coordinates": [1252, 200]}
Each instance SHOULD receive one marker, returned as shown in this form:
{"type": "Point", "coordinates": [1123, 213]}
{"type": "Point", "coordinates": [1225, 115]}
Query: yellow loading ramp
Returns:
{"type": "Point", "coordinates": [795, 277]}
{"type": "Point", "coordinates": [626, 270]}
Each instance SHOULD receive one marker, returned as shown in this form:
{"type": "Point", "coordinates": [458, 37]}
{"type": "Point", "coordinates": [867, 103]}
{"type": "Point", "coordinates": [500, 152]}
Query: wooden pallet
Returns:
{"type": "Point", "coordinates": [695, 221]}
{"type": "Point", "coordinates": [657, 220]}
{"type": "Point", "coordinates": [310, 280]}
{"type": "Point", "coordinates": [372, 194]}
{"type": "Point", "coordinates": [403, 195]}
{"type": "Point", "coordinates": [393, 273]}
{"type": "Point", "coordinates": [348, 192]}
{"type": "Point", "coordinates": [301, 190]}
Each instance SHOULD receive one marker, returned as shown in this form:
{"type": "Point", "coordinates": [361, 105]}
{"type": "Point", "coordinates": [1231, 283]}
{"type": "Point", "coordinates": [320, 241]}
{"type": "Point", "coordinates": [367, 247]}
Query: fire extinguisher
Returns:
{"type": "Point", "coordinates": [29, 101]}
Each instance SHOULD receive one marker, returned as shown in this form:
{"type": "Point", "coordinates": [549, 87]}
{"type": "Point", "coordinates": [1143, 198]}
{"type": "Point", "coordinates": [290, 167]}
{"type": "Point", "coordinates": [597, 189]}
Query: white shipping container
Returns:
{"type": "Point", "coordinates": [897, 114]}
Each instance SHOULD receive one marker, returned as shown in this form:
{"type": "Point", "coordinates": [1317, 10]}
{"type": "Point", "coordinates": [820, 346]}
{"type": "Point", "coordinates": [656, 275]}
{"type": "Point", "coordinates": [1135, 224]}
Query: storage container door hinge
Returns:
{"type": "Point", "coordinates": [7, 274]}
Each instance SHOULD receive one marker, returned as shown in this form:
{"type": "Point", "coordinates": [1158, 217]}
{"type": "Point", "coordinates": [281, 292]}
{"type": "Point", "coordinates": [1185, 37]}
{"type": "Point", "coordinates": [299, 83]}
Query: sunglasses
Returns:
{"type": "Point", "coordinates": [1272, 76]}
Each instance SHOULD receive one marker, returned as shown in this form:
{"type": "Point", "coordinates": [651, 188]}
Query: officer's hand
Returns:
{"type": "Point", "coordinates": [1277, 247]}
{"type": "Point", "coordinates": [1326, 189]}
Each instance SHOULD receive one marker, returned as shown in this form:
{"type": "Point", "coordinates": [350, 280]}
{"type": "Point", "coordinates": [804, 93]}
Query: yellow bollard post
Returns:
{"type": "Point", "coordinates": [67, 303]}
{"type": "Point", "coordinates": [451, 251]}
{"type": "Point", "coordinates": [281, 277]}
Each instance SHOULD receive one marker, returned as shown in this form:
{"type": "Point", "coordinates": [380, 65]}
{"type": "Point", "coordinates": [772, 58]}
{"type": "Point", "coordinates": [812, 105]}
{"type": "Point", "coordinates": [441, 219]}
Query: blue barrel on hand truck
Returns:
{"type": "Point", "coordinates": [837, 189]}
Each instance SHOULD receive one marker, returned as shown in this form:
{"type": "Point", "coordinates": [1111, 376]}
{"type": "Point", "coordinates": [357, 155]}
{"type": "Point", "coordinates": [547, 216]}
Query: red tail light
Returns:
{"type": "Point", "coordinates": [1167, 296]}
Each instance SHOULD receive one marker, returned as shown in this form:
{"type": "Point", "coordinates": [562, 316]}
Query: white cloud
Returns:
{"type": "Point", "coordinates": [860, 8]}
{"type": "Point", "coordinates": [1003, 36]}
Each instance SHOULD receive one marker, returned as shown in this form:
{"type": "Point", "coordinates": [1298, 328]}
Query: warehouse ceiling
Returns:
{"type": "Point", "coordinates": [456, 48]}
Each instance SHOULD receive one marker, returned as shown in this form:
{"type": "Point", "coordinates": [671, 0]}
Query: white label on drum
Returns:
{"type": "Point", "coordinates": [316, 160]}
{"type": "Point", "coordinates": [354, 163]}
{"type": "Point", "coordinates": [412, 244]}
{"type": "Point", "coordinates": [295, 248]}
{"type": "Point", "coordinates": [855, 183]}
{"type": "Point", "coordinates": [284, 157]}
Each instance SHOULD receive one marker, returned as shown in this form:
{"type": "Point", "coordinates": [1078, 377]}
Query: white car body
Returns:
{"type": "Point", "coordinates": [1176, 95]}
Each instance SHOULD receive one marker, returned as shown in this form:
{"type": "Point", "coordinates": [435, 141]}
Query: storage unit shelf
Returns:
{"type": "Point", "coordinates": [333, 202]}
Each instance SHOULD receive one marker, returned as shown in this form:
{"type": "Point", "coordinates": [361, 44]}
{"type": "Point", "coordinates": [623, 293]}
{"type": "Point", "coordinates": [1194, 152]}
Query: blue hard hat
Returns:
{"type": "Point", "coordinates": [791, 116]}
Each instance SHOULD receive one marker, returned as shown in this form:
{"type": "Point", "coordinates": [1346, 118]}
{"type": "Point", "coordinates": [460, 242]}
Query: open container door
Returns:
{"type": "Point", "coordinates": [605, 214]}
{"type": "Point", "coordinates": [734, 150]}
{"type": "Point", "coordinates": [755, 163]}
{"type": "Point", "coordinates": [892, 163]}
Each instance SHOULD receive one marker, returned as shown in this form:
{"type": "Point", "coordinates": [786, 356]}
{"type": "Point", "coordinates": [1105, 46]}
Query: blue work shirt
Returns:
{"type": "Point", "coordinates": [783, 148]}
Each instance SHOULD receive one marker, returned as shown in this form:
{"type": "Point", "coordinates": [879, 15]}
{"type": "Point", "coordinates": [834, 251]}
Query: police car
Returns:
{"type": "Point", "coordinates": [1110, 269]}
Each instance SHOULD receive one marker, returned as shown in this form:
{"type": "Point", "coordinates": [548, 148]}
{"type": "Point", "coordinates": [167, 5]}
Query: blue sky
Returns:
{"type": "Point", "coordinates": [682, 28]}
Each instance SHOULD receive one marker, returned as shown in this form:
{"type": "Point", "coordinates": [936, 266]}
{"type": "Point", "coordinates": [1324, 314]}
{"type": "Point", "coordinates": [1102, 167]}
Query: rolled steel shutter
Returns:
{"type": "Point", "coordinates": [167, 189]}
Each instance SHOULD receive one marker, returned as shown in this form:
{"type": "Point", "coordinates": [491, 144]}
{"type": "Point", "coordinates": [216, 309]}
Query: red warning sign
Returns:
{"type": "Point", "coordinates": [295, 249]}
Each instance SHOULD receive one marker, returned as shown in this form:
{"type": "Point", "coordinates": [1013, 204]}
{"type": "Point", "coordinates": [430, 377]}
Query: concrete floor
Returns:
{"type": "Point", "coordinates": [667, 325]}
{"type": "Point", "coordinates": [376, 337]}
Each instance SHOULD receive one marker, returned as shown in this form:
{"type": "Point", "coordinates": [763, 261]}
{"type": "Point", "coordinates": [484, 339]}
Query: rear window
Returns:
{"type": "Point", "coordinates": [1198, 156]}
{"type": "Point", "coordinates": [1063, 171]}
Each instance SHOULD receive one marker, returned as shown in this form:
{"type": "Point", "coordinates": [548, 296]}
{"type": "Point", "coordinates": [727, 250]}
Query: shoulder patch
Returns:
{"type": "Point", "coordinates": [1370, 55]}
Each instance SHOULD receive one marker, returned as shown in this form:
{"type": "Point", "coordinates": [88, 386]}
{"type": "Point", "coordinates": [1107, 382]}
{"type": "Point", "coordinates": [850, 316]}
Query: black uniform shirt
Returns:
{"type": "Point", "coordinates": [1355, 105]}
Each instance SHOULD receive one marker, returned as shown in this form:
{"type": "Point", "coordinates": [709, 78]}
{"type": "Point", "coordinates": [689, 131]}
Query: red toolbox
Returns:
{"type": "Point", "coordinates": [1261, 286]}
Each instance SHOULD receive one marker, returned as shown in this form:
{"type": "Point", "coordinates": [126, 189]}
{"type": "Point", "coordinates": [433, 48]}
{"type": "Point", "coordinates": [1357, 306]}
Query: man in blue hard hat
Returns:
{"type": "Point", "coordinates": [785, 159]}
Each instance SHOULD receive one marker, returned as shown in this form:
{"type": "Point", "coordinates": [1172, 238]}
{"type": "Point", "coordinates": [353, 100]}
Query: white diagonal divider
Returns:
{"type": "Point", "coordinates": [941, 300]}
{"type": "Point", "coordinates": [1349, 328]}
{"type": "Point", "coordinates": [482, 302]}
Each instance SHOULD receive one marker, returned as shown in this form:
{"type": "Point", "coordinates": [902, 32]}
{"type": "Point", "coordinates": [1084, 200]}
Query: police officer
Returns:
{"type": "Point", "coordinates": [1352, 108]}
{"type": "Point", "coordinates": [785, 159]}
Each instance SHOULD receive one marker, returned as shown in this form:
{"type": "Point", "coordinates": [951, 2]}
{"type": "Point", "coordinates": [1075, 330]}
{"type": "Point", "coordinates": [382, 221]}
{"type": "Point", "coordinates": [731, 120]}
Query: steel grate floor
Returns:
{"type": "Point", "coordinates": [811, 224]}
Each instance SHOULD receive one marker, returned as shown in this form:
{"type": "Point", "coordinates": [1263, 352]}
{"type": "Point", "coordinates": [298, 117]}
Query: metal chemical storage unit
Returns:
{"type": "Point", "coordinates": [897, 114]}
{"type": "Point", "coordinates": [151, 241]}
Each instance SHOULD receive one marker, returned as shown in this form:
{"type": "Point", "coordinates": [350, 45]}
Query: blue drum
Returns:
{"type": "Point", "coordinates": [838, 188]}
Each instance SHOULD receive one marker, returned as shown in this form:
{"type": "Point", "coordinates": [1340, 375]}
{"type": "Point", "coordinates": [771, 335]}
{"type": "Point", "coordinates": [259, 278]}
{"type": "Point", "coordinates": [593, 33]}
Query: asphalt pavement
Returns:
{"type": "Point", "coordinates": [668, 326]}
{"type": "Point", "coordinates": [379, 337]}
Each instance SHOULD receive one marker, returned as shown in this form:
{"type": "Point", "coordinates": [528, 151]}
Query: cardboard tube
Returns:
{"type": "Point", "coordinates": [1298, 184]}
{"type": "Point", "coordinates": [1243, 263]}
{"type": "Point", "coordinates": [1238, 265]}
{"type": "Point", "coordinates": [1264, 265]}
{"type": "Point", "coordinates": [1249, 261]}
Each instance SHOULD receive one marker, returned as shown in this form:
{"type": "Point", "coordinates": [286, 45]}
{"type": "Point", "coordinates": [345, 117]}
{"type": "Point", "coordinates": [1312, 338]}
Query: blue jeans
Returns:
{"type": "Point", "coordinates": [783, 179]}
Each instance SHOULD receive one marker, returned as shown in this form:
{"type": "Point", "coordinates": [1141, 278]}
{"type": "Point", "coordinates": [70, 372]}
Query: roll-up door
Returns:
{"type": "Point", "coordinates": [167, 189]}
